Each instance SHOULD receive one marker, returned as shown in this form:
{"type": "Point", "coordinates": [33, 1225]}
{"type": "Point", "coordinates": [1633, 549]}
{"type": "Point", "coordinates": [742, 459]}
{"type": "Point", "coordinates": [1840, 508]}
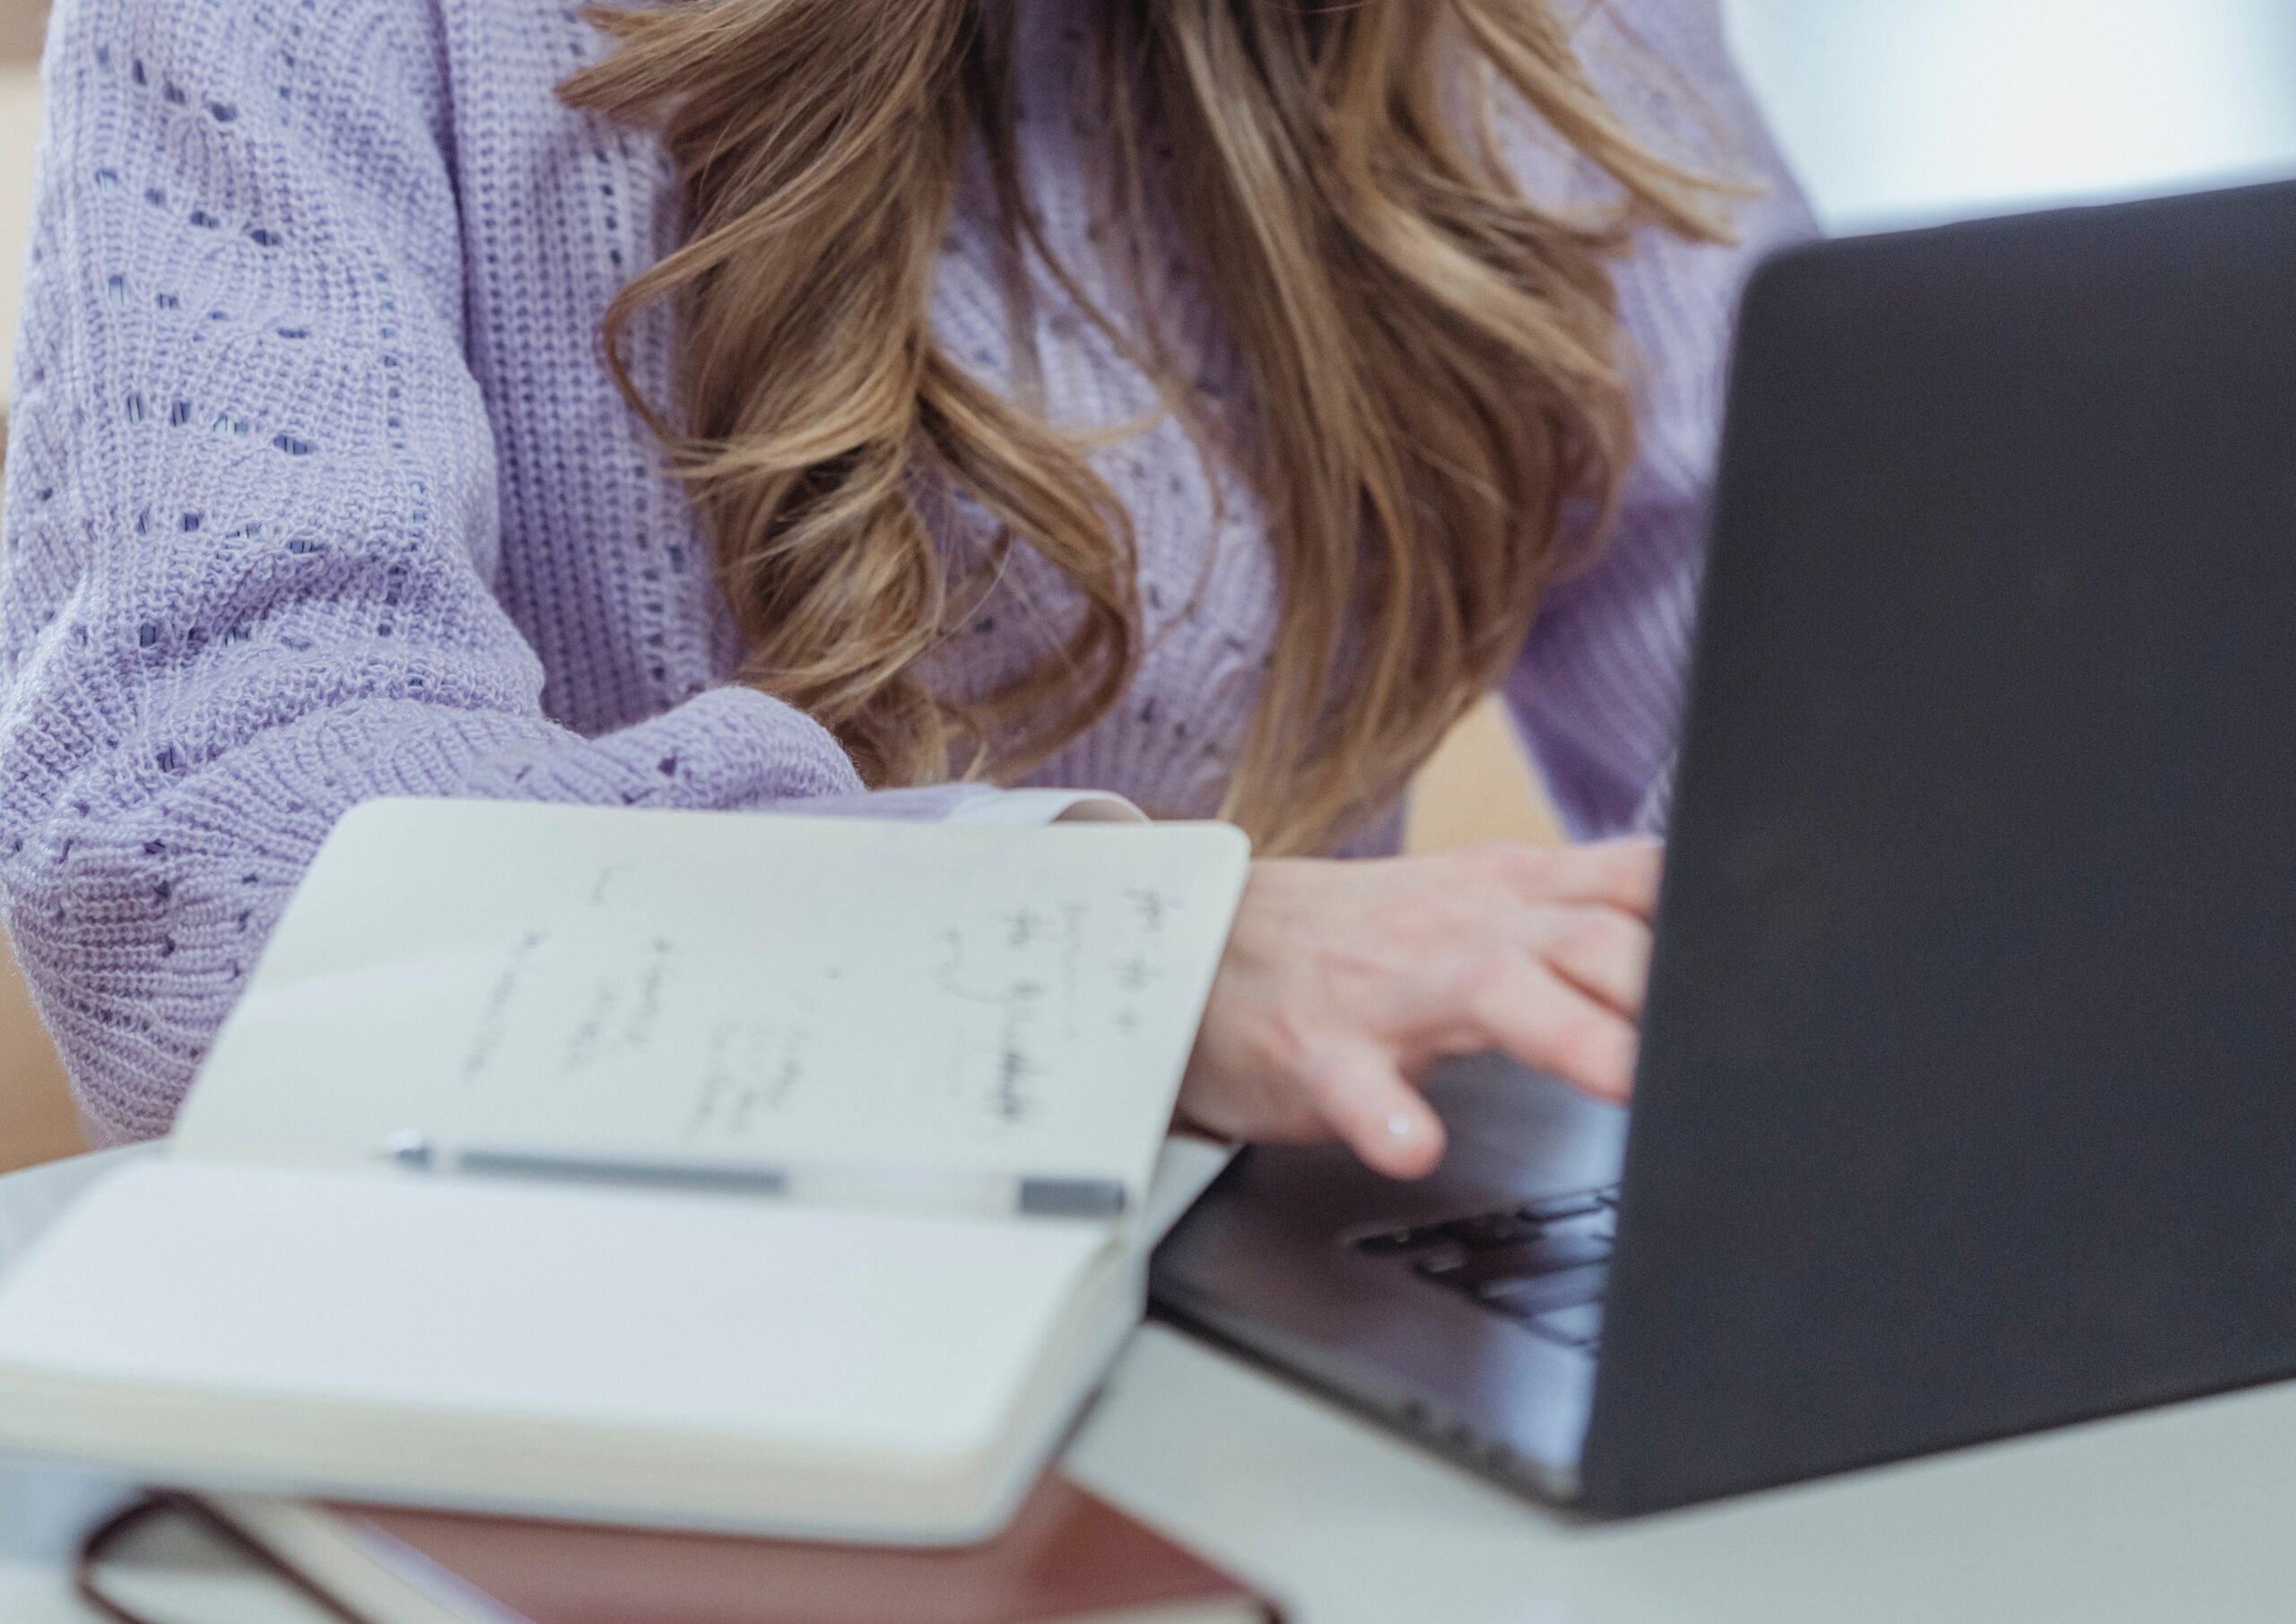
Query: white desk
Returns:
{"type": "Point", "coordinates": [2186, 1514]}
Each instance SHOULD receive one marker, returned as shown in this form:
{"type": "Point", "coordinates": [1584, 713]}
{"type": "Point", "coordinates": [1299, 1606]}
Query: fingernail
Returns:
{"type": "Point", "coordinates": [1400, 1126]}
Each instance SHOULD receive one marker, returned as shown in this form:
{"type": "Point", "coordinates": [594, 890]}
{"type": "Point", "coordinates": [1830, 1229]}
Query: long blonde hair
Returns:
{"type": "Point", "coordinates": [1433, 355]}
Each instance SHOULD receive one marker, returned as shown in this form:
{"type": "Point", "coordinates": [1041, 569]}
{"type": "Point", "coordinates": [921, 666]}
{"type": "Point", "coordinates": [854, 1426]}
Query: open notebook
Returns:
{"type": "Point", "coordinates": [858, 1037]}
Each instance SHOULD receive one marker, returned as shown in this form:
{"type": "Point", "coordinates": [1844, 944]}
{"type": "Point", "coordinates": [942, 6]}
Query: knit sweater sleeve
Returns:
{"type": "Point", "coordinates": [250, 525]}
{"type": "Point", "coordinates": [1598, 690]}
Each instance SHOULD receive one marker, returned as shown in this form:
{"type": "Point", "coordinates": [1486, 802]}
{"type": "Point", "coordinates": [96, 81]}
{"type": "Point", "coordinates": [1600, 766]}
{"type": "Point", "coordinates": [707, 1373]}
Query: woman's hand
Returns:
{"type": "Point", "coordinates": [1344, 981]}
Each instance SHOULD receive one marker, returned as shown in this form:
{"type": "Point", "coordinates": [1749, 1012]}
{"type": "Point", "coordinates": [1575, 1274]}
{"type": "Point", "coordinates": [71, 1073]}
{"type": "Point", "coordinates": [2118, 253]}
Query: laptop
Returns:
{"type": "Point", "coordinates": [1967, 1098]}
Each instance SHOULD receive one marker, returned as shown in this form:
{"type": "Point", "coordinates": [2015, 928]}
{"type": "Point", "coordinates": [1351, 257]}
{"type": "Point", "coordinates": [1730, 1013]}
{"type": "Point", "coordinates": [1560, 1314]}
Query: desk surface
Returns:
{"type": "Point", "coordinates": [2177, 1514]}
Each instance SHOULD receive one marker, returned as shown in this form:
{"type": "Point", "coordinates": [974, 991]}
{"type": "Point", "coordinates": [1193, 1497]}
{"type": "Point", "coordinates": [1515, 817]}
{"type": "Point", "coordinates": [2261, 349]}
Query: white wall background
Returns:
{"type": "Point", "coordinates": [1898, 111]}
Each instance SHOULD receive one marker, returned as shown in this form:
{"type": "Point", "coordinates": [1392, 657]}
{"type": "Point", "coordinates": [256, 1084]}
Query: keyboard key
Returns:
{"type": "Point", "coordinates": [1580, 1325]}
{"type": "Point", "coordinates": [1446, 1267]}
{"type": "Point", "coordinates": [1548, 1256]}
{"type": "Point", "coordinates": [1601, 1221]}
{"type": "Point", "coordinates": [1532, 1261]}
{"type": "Point", "coordinates": [1565, 1250]}
{"type": "Point", "coordinates": [1492, 1229]}
{"type": "Point", "coordinates": [1603, 1225]}
{"type": "Point", "coordinates": [1469, 1268]}
{"type": "Point", "coordinates": [1529, 1297]}
{"type": "Point", "coordinates": [1559, 1207]}
{"type": "Point", "coordinates": [1395, 1243]}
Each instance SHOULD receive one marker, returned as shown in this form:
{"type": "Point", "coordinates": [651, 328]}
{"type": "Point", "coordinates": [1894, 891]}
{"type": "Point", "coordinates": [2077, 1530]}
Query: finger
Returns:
{"type": "Point", "coordinates": [1365, 1100]}
{"type": "Point", "coordinates": [1622, 875]}
{"type": "Point", "coordinates": [1522, 1008]}
{"type": "Point", "coordinates": [1600, 950]}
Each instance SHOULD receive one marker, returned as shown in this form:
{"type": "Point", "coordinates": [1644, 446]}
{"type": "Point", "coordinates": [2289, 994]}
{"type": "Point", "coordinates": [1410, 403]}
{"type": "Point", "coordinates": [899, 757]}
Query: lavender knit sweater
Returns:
{"type": "Point", "coordinates": [316, 491]}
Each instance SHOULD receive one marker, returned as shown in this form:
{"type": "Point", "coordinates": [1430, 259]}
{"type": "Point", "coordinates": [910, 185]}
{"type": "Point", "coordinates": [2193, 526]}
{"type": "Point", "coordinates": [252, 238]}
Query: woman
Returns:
{"type": "Point", "coordinates": [818, 406]}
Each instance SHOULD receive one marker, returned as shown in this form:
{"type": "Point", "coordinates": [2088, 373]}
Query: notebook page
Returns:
{"type": "Point", "coordinates": [727, 987]}
{"type": "Point", "coordinates": [583, 1307]}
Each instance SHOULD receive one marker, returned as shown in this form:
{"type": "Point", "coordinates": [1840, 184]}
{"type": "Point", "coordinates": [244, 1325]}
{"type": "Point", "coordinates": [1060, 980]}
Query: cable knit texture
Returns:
{"type": "Point", "coordinates": [316, 491]}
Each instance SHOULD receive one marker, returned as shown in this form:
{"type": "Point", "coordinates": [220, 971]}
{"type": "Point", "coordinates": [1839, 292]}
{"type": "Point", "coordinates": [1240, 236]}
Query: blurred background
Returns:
{"type": "Point", "coordinates": [1894, 111]}
{"type": "Point", "coordinates": [1908, 112]}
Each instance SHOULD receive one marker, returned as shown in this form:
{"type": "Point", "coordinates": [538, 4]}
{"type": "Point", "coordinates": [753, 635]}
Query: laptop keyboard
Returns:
{"type": "Point", "coordinates": [1542, 1264]}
